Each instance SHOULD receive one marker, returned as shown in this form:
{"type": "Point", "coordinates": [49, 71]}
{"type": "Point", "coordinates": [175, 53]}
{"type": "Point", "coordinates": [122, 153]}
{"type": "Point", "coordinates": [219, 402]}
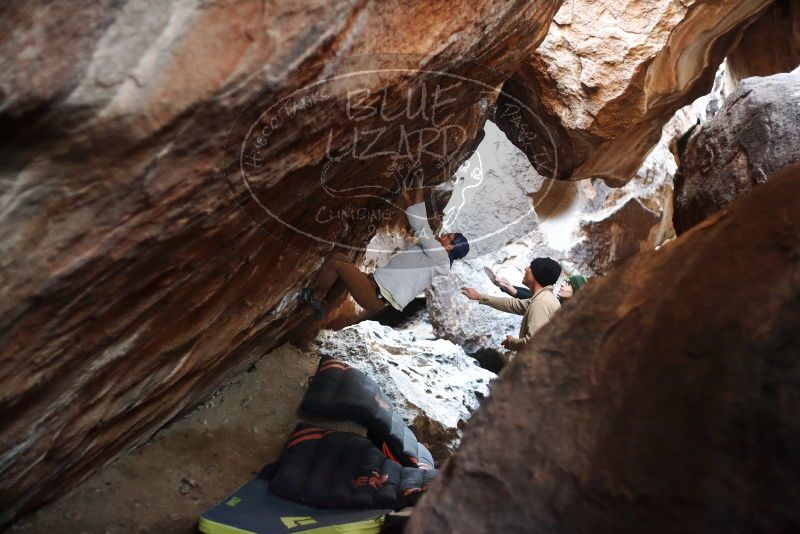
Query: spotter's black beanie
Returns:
{"type": "Point", "coordinates": [546, 271]}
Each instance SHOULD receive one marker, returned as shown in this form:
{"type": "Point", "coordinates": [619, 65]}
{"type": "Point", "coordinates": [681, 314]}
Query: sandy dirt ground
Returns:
{"type": "Point", "coordinates": [187, 467]}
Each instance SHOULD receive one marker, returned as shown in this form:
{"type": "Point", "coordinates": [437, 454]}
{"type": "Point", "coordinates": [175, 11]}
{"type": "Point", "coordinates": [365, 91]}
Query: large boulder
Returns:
{"type": "Point", "coordinates": [665, 394]}
{"type": "Point", "coordinates": [756, 133]}
{"type": "Point", "coordinates": [769, 45]}
{"type": "Point", "coordinates": [610, 75]}
{"type": "Point", "coordinates": [131, 282]}
{"type": "Point", "coordinates": [432, 383]}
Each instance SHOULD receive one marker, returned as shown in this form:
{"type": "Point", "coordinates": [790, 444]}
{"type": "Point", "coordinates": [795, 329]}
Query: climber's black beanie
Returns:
{"type": "Point", "coordinates": [546, 271]}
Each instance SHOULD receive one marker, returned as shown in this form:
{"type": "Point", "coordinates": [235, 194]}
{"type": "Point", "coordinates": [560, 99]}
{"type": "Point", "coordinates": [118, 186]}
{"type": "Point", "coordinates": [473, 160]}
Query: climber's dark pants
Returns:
{"type": "Point", "coordinates": [361, 286]}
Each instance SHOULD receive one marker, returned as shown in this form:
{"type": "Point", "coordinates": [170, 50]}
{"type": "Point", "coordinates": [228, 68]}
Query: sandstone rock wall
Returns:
{"type": "Point", "coordinates": [610, 75]}
{"type": "Point", "coordinates": [131, 282]}
{"type": "Point", "coordinates": [769, 45]}
{"type": "Point", "coordinates": [755, 134]}
{"type": "Point", "coordinates": [162, 486]}
{"type": "Point", "coordinates": [653, 398]}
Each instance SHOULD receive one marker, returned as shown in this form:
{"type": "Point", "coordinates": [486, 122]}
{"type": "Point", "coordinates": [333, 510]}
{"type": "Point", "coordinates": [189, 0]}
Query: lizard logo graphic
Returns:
{"type": "Point", "coordinates": [382, 113]}
{"type": "Point", "coordinates": [468, 176]}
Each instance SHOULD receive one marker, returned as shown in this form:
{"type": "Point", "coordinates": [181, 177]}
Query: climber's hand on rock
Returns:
{"type": "Point", "coordinates": [506, 343]}
{"type": "Point", "coordinates": [470, 293]}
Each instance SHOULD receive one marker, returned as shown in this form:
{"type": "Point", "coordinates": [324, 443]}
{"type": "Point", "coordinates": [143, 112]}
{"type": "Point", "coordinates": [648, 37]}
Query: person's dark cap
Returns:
{"type": "Point", "coordinates": [460, 248]}
{"type": "Point", "coordinates": [546, 271]}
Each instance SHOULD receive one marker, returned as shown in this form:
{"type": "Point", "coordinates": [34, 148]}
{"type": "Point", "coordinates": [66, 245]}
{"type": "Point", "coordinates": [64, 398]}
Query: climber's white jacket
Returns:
{"type": "Point", "coordinates": [411, 271]}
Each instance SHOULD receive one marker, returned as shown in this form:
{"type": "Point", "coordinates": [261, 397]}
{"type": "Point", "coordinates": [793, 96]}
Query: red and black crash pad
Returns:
{"type": "Point", "coordinates": [332, 469]}
{"type": "Point", "coordinates": [340, 390]}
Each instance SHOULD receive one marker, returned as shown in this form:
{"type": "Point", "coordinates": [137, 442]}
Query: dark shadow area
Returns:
{"type": "Point", "coordinates": [394, 318]}
{"type": "Point", "coordinates": [490, 359]}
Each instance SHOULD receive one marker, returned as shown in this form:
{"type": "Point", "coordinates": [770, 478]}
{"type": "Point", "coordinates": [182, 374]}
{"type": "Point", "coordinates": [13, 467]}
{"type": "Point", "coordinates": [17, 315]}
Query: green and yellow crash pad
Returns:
{"type": "Point", "coordinates": [252, 509]}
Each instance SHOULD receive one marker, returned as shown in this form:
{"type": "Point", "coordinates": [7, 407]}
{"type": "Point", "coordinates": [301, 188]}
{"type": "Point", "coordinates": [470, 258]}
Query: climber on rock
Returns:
{"type": "Point", "coordinates": [539, 278]}
{"type": "Point", "coordinates": [406, 275]}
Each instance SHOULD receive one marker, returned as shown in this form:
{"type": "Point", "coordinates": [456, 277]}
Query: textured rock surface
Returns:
{"type": "Point", "coordinates": [130, 281]}
{"type": "Point", "coordinates": [770, 45]}
{"type": "Point", "coordinates": [608, 77]}
{"type": "Point", "coordinates": [756, 133]}
{"type": "Point", "coordinates": [652, 399]}
{"type": "Point", "coordinates": [433, 384]}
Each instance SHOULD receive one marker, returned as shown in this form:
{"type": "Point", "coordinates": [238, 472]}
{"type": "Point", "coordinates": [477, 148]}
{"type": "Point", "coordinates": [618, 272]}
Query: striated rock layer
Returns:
{"type": "Point", "coordinates": [131, 282]}
{"type": "Point", "coordinates": [610, 75]}
{"type": "Point", "coordinates": [653, 398]}
{"type": "Point", "coordinates": [193, 462]}
{"type": "Point", "coordinates": [755, 134]}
